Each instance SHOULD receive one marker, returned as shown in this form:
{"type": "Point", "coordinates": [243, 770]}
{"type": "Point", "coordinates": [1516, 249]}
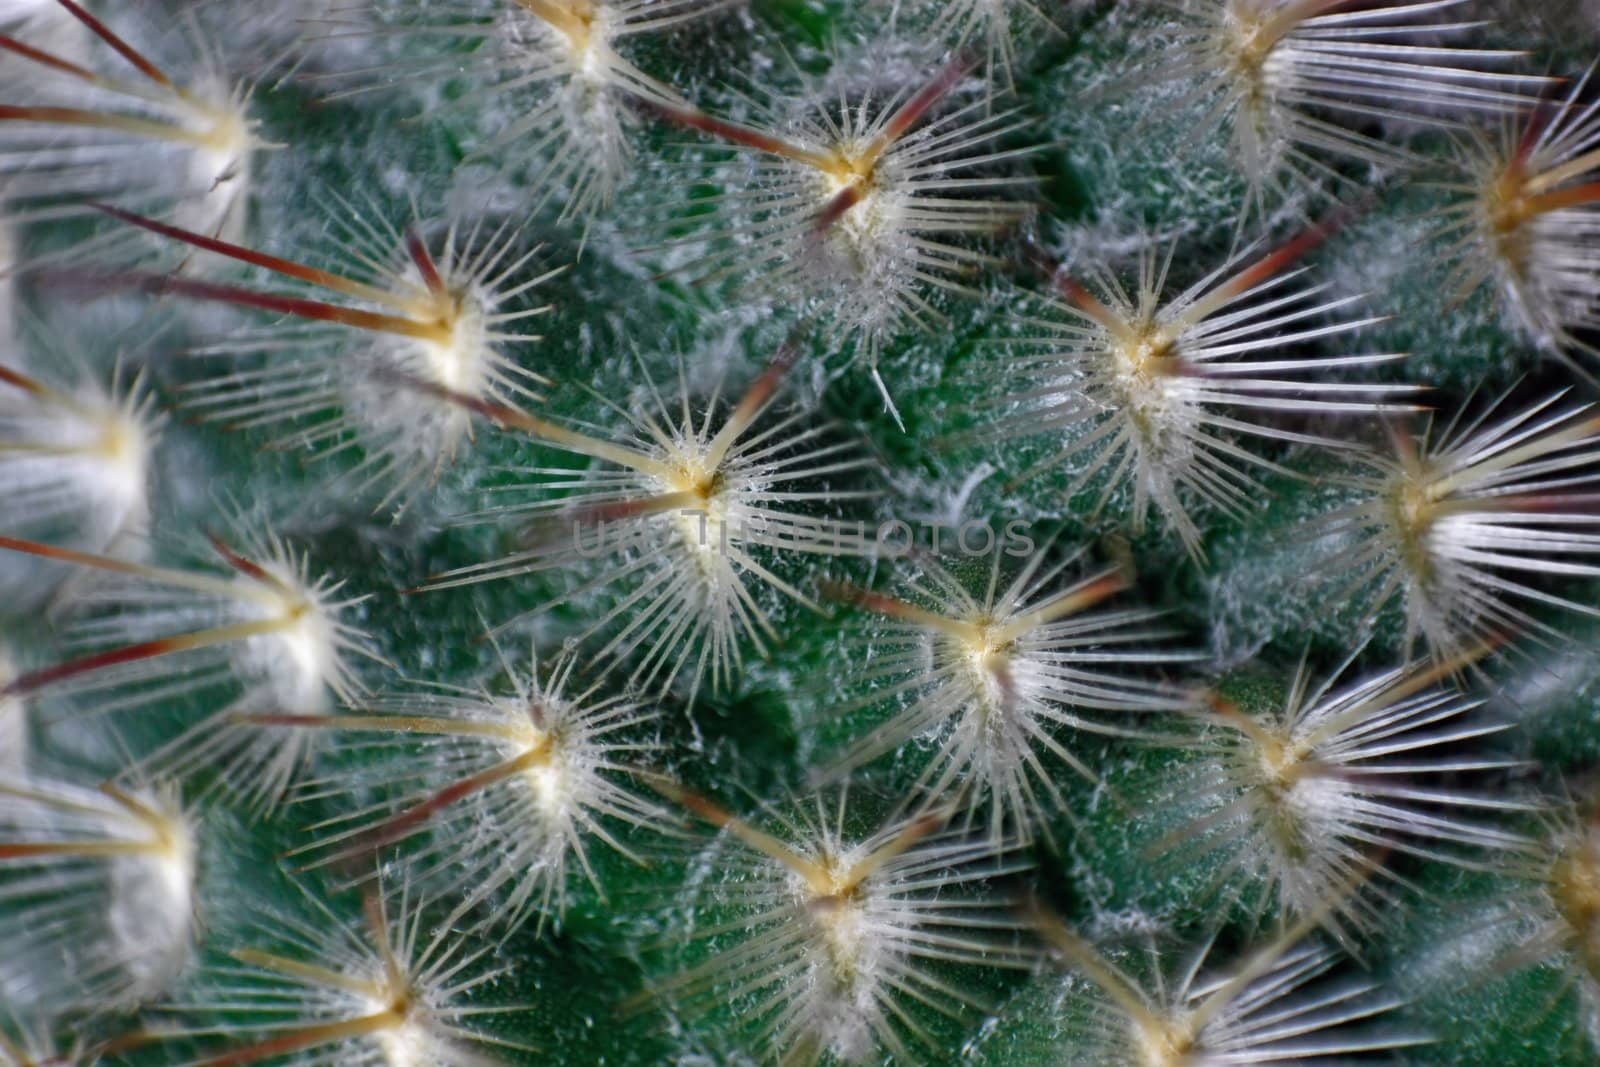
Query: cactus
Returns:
{"type": "Point", "coordinates": [801, 532]}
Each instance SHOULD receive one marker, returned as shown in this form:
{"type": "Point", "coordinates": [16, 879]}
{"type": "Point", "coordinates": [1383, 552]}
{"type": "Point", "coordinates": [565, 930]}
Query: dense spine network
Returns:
{"type": "Point", "coordinates": [286, 869]}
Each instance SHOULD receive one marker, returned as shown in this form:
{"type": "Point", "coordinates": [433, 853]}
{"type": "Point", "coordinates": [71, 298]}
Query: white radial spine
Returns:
{"type": "Point", "coordinates": [114, 125]}
{"type": "Point", "coordinates": [833, 943]}
{"type": "Point", "coordinates": [77, 460]}
{"type": "Point", "coordinates": [1525, 219]}
{"type": "Point", "coordinates": [562, 65]}
{"type": "Point", "coordinates": [864, 200]}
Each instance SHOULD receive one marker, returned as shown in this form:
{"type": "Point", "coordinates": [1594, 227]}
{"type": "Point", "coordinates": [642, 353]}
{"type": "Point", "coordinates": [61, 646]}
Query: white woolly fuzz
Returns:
{"type": "Point", "coordinates": [679, 509]}
{"type": "Point", "coordinates": [348, 373]}
{"type": "Point", "coordinates": [1147, 393]}
{"type": "Point", "coordinates": [833, 942]}
{"type": "Point", "coordinates": [116, 126]}
{"type": "Point", "coordinates": [384, 988]}
{"type": "Point", "coordinates": [1001, 678]}
{"type": "Point", "coordinates": [1304, 797]}
{"type": "Point", "coordinates": [1295, 80]}
{"type": "Point", "coordinates": [259, 626]}
{"type": "Point", "coordinates": [76, 460]}
{"type": "Point", "coordinates": [559, 67]}
{"type": "Point", "coordinates": [862, 197]}
{"type": "Point", "coordinates": [1457, 524]}
{"type": "Point", "coordinates": [1276, 1007]}
{"type": "Point", "coordinates": [1527, 219]}
{"type": "Point", "coordinates": [97, 894]}
{"type": "Point", "coordinates": [497, 794]}
{"type": "Point", "coordinates": [14, 730]}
